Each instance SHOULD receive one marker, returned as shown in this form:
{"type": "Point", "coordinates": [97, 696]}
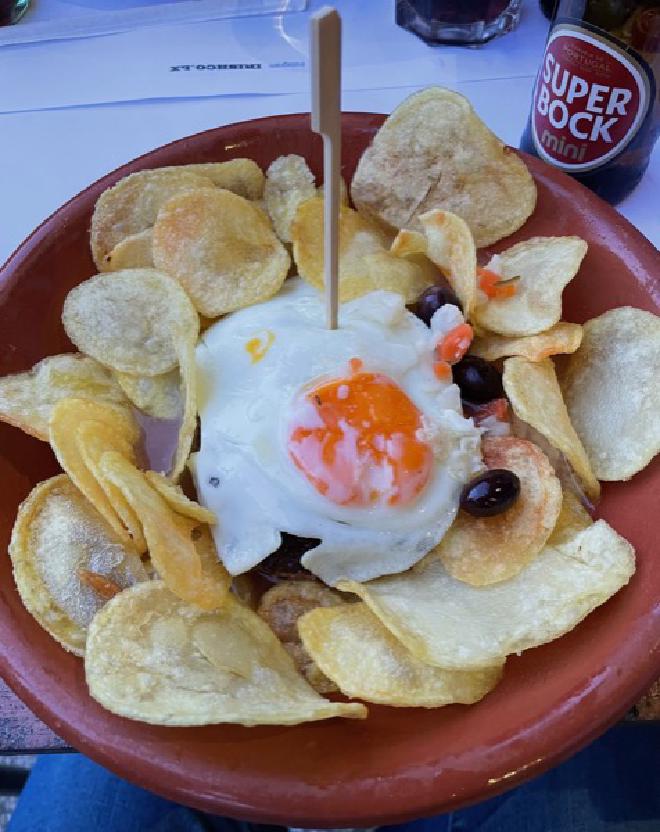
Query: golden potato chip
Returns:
{"type": "Point", "coordinates": [612, 391]}
{"type": "Point", "coordinates": [241, 176]}
{"type": "Point", "coordinates": [170, 543]}
{"type": "Point", "coordinates": [57, 534]}
{"type": "Point", "coordinates": [434, 152]}
{"type": "Point", "coordinates": [364, 659]}
{"type": "Point", "coordinates": [177, 500]}
{"type": "Point", "coordinates": [221, 249]}
{"type": "Point", "coordinates": [451, 247]}
{"type": "Point", "coordinates": [186, 342]}
{"type": "Point", "coordinates": [289, 182]}
{"type": "Point", "coordinates": [365, 263]}
{"type": "Point", "coordinates": [129, 320]}
{"type": "Point", "coordinates": [411, 245]}
{"type": "Point", "coordinates": [451, 624]}
{"type": "Point", "coordinates": [27, 399]}
{"type": "Point", "coordinates": [157, 396]}
{"type": "Point", "coordinates": [212, 567]}
{"type": "Point", "coordinates": [381, 270]}
{"type": "Point", "coordinates": [134, 252]}
{"type": "Point", "coordinates": [93, 439]}
{"type": "Point", "coordinates": [152, 657]}
{"type": "Point", "coordinates": [281, 607]}
{"type": "Point", "coordinates": [536, 398]}
{"type": "Point", "coordinates": [543, 266]}
{"type": "Point", "coordinates": [131, 206]}
{"type": "Point", "coordinates": [573, 518]}
{"type": "Point", "coordinates": [260, 205]}
{"type": "Point", "coordinates": [486, 550]}
{"type": "Point", "coordinates": [561, 338]}
{"type": "Point", "coordinates": [65, 422]}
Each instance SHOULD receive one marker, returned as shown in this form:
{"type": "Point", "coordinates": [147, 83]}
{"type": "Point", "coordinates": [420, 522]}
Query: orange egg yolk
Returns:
{"type": "Point", "coordinates": [355, 439]}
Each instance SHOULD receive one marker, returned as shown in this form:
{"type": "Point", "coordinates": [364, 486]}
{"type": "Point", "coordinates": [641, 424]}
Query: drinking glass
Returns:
{"type": "Point", "coordinates": [469, 22]}
{"type": "Point", "coordinates": [12, 10]}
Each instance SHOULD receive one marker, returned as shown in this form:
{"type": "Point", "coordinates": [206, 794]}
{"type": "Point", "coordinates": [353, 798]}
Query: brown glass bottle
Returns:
{"type": "Point", "coordinates": [595, 112]}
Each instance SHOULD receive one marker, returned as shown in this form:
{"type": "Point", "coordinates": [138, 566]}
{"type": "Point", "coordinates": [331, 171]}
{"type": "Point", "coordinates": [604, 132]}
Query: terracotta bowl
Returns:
{"type": "Point", "coordinates": [400, 763]}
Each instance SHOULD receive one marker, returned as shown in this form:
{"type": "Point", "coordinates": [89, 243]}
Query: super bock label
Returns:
{"type": "Point", "coordinates": [590, 99]}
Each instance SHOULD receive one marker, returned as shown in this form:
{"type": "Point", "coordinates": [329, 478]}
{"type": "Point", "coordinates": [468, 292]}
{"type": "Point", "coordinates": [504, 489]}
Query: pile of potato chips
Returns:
{"type": "Point", "coordinates": [118, 564]}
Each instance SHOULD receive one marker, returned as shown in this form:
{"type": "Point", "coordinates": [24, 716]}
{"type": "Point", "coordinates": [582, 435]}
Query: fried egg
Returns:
{"type": "Point", "coordinates": [347, 436]}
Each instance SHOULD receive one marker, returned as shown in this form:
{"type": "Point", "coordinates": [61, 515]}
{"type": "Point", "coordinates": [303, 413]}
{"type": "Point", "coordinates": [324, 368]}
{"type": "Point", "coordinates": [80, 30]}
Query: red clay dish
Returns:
{"type": "Point", "coordinates": [400, 763]}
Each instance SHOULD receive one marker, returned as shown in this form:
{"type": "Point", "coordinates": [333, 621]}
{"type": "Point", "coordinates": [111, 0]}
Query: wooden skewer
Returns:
{"type": "Point", "coordinates": [325, 49]}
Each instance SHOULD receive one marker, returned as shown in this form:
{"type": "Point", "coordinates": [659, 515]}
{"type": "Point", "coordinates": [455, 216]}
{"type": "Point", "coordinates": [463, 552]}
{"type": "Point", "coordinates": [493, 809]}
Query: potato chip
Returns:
{"type": "Point", "coordinates": [535, 396]}
{"type": "Point", "coordinates": [260, 205]}
{"type": "Point", "coordinates": [612, 391]}
{"type": "Point", "coordinates": [486, 550]}
{"type": "Point", "coordinates": [27, 399]}
{"type": "Point", "coordinates": [57, 534]}
{"type": "Point", "coordinates": [170, 543]}
{"type": "Point", "coordinates": [450, 624]}
{"type": "Point", "coordinates": [129, 320]}
{"type": "Point", "coordinates": [131, 206]}
{"type": "Point", "coordinates": [434, 152]}
{"type": "Point", "coordinates": [451, 247]}
{"type": "Point", "coordinates": [212, 567]}
{"type": "Point", "coordinates": [381, 270]}
{"type": "Point", "coordinates": [177, 500]}
{"type": "Point", "coordinates": [186, 342]}
{"type": "Point", "coordinates": [157, 396]}
{"type": "Point", "coordinates": [364, 659]}
{"type": "Point", "coordinates": [123, 433]}
{"type": "Point", "coordinates": [289, 182]}
{"type": "Point", "coordinates": [221, 249]}
{"type": "Point", "coordinates": [573, 518]}
{"type": "Point", "coordinates": [561, 338]}
{"type": "Point", "coordinates": [134, 252]}
{"type": "Point", "coordinates": [365, 263]}
{"type": "Point", "coordinates": [241, 176]}
{"type": "Point", "coordinates": [281, 607]}
{"type": "Point", "coordinates": [543, 266]}
{"type": "Point", "coordinates": [411, 245]}
{"type": "Point", "coordinates": [152, 657]}
{"type": "Point", "coordinates": [93, 439]}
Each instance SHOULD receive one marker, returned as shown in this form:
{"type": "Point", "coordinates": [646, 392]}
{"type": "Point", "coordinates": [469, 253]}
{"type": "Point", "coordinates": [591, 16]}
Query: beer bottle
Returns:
{"type": "Point", "coordinates": [595, 111]}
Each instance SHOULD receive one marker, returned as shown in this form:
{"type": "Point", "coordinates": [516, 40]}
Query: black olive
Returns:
{"type": "Point", "coordinates": [284, 564]}
{"type": "Point", "coordinates": [478, 381]}
{"type": "Point", "coordinates": [431, 300]}
{"type": "Point", "coordinates": [490, 493]}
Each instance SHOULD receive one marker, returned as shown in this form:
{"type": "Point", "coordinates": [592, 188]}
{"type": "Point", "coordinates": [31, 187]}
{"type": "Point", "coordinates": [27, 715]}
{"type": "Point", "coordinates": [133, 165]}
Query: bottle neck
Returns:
{"type": "Point", "coordinates": [632, 26]}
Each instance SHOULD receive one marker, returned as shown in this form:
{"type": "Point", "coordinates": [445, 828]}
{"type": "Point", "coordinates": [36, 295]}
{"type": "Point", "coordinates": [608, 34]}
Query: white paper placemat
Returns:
{"type": "Point", "coordinates": [48, 20]}
{"type": "Point", "coordinates": [251, 56]}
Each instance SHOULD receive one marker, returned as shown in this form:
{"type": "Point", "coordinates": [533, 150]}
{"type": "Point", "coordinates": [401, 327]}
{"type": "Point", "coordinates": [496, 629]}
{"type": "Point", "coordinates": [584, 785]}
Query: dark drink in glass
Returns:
{"type": "Point", "coordinates": [458, 21]}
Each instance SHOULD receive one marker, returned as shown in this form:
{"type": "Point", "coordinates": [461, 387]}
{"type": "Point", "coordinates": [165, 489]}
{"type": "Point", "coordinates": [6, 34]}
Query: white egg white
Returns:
{"type": "Point", "coordinates": [243, 469]}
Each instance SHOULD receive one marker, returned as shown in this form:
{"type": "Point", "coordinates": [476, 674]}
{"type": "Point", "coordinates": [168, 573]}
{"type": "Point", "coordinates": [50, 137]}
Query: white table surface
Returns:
{"type": "Point", "coordinates": [47, 156]}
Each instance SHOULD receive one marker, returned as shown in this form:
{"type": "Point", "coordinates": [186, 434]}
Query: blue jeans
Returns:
{"type": "Point", "coordinates": [611, 786]}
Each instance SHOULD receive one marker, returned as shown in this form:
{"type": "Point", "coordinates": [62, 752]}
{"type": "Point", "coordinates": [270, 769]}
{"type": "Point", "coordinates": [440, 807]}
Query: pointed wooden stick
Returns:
{"type": "Point", "coordinates": [325, 49]}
